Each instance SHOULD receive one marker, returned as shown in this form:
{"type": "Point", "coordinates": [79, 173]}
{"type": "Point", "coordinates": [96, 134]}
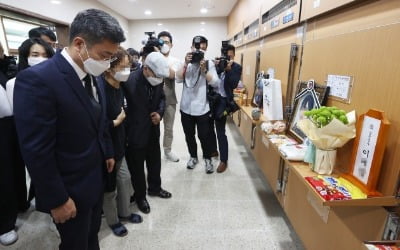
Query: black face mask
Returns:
{"type": "Point", "coordinates": [134, 66]}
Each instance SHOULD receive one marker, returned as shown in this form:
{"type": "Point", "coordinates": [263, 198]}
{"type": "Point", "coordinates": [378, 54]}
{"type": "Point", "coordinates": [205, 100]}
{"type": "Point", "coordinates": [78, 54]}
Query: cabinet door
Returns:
{"type": "Point", "coordinates": [246, 128]}
{"type": "Point", "coordinates": [267, 158]}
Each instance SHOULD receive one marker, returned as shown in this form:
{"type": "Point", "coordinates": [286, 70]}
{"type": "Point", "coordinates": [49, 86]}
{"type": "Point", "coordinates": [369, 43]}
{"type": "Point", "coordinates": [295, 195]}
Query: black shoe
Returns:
{"type": "Point", "coordinates": [119, 229]}
{"type": "Point", "coordinates": [162, 194]}
{"type": "Point", "coordinates": [133, 218]}
{"type": "Point", "coordinates": [143, 206]}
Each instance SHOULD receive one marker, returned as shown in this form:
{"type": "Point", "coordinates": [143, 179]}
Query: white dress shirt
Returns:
{"type": "Point", "coordinates": [5, 107]}
{"type": "Point", "coordinates": [221, 87]}
{"type": "Point", "coordinates": [81, 74]}
{"type": "Point", "coordinates": [194, 94]}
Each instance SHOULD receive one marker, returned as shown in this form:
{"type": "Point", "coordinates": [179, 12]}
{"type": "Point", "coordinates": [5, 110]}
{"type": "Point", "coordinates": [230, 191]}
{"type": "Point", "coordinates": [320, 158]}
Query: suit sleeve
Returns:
{"type": "Point", "coordinates": [108, 124]}
{"type": "Point", "coordinates": [232, 77]}
{"type": "Point", "coordinates": [35, 112]}
{"type": "Point", "coordinates": [161, 105]}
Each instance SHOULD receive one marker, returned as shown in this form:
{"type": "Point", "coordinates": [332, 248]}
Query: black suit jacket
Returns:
{"type": "Point", "coordinates": [232, 78]}
{"type": "Point", "coordinates": [142, 99]}
{"type": "Point", "coordinates": [63, 145]}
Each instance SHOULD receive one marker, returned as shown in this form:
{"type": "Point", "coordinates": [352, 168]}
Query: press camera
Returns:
{"type": "Point", "coordinates": [224, 59]}
{"type": "Point", "coordinates": [197, 55]}
{"type": "Point", "coordinates": [151, 43]}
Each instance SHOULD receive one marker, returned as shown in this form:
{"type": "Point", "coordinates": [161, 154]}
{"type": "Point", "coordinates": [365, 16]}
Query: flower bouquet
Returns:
{"type": "Point", "coordinates": [328, 128]}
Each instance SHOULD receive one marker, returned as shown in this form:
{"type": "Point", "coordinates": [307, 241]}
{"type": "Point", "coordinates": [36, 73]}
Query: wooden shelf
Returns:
{"type": "Point", "coordinates": [248, 109]}
{"type": "Point", "coordinates": [302, 170]}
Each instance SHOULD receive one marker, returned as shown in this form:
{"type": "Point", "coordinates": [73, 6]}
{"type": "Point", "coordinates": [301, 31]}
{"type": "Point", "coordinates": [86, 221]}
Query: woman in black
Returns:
{"type": "Point", "coordinates": [115, 207]}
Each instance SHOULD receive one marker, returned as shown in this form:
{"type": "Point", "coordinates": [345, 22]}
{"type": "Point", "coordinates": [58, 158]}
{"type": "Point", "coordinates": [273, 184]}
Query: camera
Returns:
{"type": "Point", "coordinates": [197, 55]}
{"type": "Point", "coordinates": [224, 59]}
{"type": "Point", "coordinates": [151, 43]}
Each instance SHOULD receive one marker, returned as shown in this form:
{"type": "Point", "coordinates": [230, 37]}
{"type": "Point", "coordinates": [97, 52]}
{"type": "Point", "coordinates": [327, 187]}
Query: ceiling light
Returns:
{"type": "Point", "coordinates": [159, 24]}
{"type": "Point", "coordinates": [202, 23]}
{"type": "Point", "coordinates": [55, 2]}
{"type": "Point", "coordinates": [203, 10]}
{"type": "Point", "coordinates": [147, 12]}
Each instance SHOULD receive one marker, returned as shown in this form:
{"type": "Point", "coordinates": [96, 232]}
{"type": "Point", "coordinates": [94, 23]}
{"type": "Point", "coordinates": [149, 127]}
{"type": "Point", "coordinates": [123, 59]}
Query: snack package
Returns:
{"type": "Point", "coordinates": [327, 191]}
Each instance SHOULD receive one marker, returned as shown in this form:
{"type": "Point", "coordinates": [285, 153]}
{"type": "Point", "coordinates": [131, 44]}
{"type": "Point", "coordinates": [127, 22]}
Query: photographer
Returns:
{"type": "Point", "coordinates": [197, 73]}
{"type": "Point", "coordinates": [229, 74]}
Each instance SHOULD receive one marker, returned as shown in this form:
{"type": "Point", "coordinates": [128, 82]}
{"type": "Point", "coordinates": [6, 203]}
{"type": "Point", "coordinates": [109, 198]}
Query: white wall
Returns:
{"type": "Point", "coordinates": [182, 30]}
{"type": "Point", "coordinates": [67, 10]}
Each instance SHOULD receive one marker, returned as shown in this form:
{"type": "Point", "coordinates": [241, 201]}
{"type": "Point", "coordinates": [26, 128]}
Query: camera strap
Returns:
{"type": "Point", "coordinates": [197, 80]}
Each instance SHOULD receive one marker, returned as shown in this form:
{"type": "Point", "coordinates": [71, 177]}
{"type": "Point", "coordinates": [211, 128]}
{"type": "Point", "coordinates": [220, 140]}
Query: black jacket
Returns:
{"type": "Point", "coordinates": [142, 99]}
{"type": "Point", "coordinates": [232, 78]}
{"type": "Point", "coordinates": [63, 144]}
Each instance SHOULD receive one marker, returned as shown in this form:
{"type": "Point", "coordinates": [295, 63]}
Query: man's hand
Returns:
{"type": "Point", "coordinates": [188, 58]}
{"type": "Point", "coordinates": [110, 163]}
{"type": "Point", "coordinates": [155, 118]}
{"type": "Point", "coordinates": [64, 212]}
{"type": "Point", "coordinates": [203, 66]}
{"type": "Point", "coordinates": [229, 65]}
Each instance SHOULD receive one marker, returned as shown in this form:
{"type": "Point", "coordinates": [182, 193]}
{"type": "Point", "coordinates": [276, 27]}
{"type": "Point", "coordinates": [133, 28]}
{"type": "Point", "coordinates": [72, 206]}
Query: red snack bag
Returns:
{"type": "Point", "coordinates": [328, 192]}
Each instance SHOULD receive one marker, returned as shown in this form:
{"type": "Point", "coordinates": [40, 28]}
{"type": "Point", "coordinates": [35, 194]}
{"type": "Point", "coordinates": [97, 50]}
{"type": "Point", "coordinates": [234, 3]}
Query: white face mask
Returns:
{"type": "Point", "coordinates": [165, 49]}
{"type": "Point", "coordinates": [94, 67]}
{"type": "Point", "coordinates": [123, 75]}
{"type": "Point", "coordinates": [154, 81]}
{"type": "Point", "coordinates": [35, 60]}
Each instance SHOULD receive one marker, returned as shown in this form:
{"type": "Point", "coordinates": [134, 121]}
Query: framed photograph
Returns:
{"type": "Point", "coordinates": [321, 91]}
{"type": "Point", "coordinates": [309, 96]}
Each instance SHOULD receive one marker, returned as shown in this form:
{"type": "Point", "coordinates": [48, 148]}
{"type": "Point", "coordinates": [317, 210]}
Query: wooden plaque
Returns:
{"type": "Point", "coordinates": [368, 150]}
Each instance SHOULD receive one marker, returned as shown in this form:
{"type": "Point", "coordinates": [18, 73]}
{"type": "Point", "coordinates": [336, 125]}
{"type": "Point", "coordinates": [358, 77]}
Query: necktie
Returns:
{"type": "Point", "coordinates": [88, 85]}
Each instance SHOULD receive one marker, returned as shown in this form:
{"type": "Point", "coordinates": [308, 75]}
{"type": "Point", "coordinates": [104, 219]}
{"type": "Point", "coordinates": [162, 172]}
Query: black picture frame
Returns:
{"type": "Point", "coordinates": [309, 95]}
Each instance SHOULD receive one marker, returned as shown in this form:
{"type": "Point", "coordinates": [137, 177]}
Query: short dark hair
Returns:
{"type": "Point", "coordinates": [202, 40]}
{"type": "Point", "coordinates": [95, 26]}
{"type": "Point", "coordinates": [230, 47]}
{"type": "Point", "coordinates": [24, 50]}
{"type": "Point", "coordinates": [39, 31]}
{"type": "Point", "coordinates": [133, 52]}
{"type": "Point", "coordinates": [165, 33]}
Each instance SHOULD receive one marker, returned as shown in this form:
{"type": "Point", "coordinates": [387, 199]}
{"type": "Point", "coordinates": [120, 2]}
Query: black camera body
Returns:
{"type": "Point", "coordinates": [151, 43]}
{"type": "Point", "coordinates": [197, 55]}
{"type": "Point", "coordinates": [224, 59]}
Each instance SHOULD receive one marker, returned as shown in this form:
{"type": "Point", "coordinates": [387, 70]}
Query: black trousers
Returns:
{"type": "Point", "coordinates": [204, 126]}
{"type": "Point", "coordinates": [80, 233]}
{"type": "Point", "coordinates": [12, 176]}
{"type": "Point", "coordinates": [135, 158]}
{"type": "Point", "coordinates": [220, 125]}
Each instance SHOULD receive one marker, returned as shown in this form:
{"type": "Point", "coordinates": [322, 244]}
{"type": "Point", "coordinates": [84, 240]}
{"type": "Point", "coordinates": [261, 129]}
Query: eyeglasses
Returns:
{"type": "Point", "coordinates": [112, 59]}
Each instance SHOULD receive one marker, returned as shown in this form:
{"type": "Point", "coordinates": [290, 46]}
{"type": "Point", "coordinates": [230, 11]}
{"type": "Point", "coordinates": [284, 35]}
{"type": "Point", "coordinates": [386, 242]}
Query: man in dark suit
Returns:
{"type": "Point", "coordinates": [60, 119]}
{"type": "Point", "coordinates": [229, 79]}
{"type": "Point", "coordinates": [146, 104]}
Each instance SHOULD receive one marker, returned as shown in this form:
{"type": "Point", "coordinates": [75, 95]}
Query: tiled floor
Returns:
{"type": "Point", "coordinates": [233, 210]}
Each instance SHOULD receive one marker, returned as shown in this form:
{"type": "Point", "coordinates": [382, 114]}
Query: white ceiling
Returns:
{"type": "Point", "coordinates": [134, 9]}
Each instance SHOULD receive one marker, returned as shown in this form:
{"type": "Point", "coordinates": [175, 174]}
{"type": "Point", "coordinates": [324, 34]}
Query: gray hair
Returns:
{"type": "Point", "coordinates": [95, 26]}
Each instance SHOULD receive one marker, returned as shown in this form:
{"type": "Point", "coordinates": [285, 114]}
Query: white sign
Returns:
{"type": "Point", "coordinates": [339, 86]}
{"type": "Point", "coordinates": [272, 99]}
{"type": "Point", "coordinates": [366, 148]}
{"type": "Point", "coordinates": [316, 3]}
